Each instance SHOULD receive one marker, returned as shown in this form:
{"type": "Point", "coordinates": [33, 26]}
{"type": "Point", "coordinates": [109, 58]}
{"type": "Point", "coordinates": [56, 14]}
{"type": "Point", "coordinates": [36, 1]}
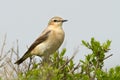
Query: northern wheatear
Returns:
{"type": "Point", "coordinates": [48, 42]}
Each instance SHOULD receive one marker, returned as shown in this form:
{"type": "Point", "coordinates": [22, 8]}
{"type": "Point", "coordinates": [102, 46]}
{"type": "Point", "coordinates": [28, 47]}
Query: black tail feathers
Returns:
{"type": "Point", "coordinates": [25, 56]}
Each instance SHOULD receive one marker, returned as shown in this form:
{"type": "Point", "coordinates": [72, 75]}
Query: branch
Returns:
{"type": "Point", "coordinates": [108, 56]}
{"type": "Point", "coordinates": [3, 45]}
{"type": "Point", "coordinates": [69, 59]}
{"type": "Point", "coordinates": [75, 68]}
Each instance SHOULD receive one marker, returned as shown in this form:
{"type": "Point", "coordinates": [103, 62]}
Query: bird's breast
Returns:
{"type": "Point", "coordinates": [49, 46]}
{"type": "Point", "coordinates": [55, 40]}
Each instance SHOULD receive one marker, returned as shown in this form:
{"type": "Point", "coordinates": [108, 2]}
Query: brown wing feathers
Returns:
{"type": "Point", "coordinates": [37, 41]}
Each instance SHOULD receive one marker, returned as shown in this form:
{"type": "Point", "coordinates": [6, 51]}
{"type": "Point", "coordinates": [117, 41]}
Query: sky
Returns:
{"type": "Point", "coordinates": [24, 20]}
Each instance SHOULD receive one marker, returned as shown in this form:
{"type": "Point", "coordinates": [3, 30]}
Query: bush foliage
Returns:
{"type": "Point", "coordinates": [60, 67]}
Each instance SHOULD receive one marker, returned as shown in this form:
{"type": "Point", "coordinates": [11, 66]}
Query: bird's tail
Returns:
{"type": "Point", "coordinates": [24, 57]}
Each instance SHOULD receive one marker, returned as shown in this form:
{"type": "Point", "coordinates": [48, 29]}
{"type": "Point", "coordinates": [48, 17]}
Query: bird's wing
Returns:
{"type": "Point", "coordinates": [39, 40]}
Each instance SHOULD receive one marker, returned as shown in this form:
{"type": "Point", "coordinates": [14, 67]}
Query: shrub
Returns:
{"type": "Point", "coordinates": [61, 68]}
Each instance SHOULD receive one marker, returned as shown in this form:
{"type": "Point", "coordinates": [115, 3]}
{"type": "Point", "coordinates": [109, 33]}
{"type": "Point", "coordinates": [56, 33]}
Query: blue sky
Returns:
{"type": "Point", "coordinates": [26, 19]}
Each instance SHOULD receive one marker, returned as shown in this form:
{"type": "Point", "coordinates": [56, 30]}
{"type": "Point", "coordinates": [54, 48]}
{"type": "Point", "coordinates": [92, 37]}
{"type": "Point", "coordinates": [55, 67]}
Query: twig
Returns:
{"type": "Point", "coordinates": [3, 45]}
{"type": "Point", "coordinates": [30, 63]}
{"type": "Point", "coordinates": [108, 56]}
{"type": "Point", "coordinates": [9, 62]}
{"type": "Point", "coordinates": [69, 59]}
{"type": "Point", "coordinates": [5, 55]}
{"type": "Point", "coordinates": [75, 68]}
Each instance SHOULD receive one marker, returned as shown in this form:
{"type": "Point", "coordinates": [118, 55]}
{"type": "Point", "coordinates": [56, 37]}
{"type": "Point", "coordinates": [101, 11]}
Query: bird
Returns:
{"type": "Point", "coordinates": [48, 42]}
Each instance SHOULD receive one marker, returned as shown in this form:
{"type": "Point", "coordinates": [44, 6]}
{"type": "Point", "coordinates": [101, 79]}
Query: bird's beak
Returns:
{"type": "Point", "coordinates": [64, 20]}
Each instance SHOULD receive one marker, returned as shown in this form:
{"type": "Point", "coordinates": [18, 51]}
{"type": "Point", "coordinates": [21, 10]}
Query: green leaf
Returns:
{"type": "Point", "coordinates": [82, 61]}
{"type": "Point", "coordinates": [63, 52]}
{"type": "Point", "coordinates": [84, 43]}
{"type": "Point", "coordinates": [108, 43]}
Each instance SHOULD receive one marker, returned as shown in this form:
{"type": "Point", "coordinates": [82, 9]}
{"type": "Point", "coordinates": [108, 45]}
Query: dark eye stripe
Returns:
{"type": "Point", "coordinates": [55, 20]}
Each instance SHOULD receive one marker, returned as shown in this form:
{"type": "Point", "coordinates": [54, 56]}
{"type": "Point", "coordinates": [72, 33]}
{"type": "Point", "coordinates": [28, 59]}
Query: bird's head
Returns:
{"type": "Point", "coordinates": [56, 21]}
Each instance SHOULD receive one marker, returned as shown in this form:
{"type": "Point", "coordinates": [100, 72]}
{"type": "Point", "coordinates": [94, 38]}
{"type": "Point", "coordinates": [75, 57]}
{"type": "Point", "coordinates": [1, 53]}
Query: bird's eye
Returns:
{"type": "Point", "coordinates": [55, 21]}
